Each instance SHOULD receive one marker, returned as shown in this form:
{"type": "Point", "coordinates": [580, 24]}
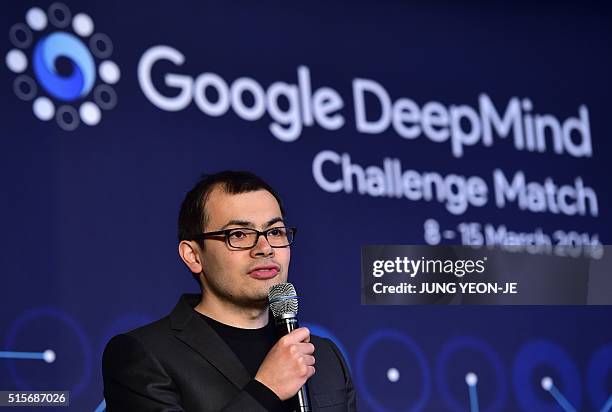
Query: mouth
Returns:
{"type": "Point", "coordinates": [264, 271]}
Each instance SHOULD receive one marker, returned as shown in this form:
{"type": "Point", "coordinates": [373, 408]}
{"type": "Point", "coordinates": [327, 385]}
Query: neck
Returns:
{"type": "Point", "coordinates": [228, 313]}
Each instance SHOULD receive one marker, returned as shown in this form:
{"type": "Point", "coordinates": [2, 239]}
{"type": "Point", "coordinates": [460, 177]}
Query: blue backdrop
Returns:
{"type": "Point", "coordinates": [112, 110]}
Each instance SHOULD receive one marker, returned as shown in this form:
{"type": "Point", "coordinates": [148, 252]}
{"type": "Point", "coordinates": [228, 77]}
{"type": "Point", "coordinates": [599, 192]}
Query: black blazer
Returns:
{"type": "Point", "coordinates": [179, 363]}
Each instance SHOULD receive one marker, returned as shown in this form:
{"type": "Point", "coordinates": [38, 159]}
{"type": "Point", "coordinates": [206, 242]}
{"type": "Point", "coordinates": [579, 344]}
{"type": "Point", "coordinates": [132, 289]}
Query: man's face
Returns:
{"type": "Point", "coordinates": [243, 277]}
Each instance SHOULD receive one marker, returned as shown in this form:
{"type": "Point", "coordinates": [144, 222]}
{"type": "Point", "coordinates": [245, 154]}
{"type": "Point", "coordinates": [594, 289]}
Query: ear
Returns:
{"type": "Point", "coordinates": [189, 252]}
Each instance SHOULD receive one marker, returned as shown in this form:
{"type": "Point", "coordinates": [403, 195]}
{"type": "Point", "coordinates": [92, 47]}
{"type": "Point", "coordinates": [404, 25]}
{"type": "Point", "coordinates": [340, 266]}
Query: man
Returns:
{"type": "Point", "coordinates": [217, 351]}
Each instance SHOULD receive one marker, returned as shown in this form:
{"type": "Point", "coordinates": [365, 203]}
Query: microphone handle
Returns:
{"type": "Point", "coordinates": [301, 399]}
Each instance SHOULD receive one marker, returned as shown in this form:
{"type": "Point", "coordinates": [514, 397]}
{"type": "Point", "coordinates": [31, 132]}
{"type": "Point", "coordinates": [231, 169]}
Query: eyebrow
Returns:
{"type": "Point", "coordinates": [246, 223]}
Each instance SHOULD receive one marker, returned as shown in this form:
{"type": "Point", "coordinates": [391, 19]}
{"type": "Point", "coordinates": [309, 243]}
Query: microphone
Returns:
{"type": "Point", "coordinates": [284, 305]}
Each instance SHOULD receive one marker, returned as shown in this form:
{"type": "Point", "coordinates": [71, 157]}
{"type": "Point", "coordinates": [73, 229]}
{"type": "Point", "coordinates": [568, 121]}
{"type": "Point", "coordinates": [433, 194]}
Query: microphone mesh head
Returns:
{"type": "Point", "coordinates": [283, 300]}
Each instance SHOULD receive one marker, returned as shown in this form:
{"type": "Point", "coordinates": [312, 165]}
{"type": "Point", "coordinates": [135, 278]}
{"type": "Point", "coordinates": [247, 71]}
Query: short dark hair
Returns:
{"type": "Point", "coordinates": [192, 216]}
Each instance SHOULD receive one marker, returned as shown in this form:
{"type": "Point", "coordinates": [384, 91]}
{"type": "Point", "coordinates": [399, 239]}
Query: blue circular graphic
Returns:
{"type": "Point", "coordinates": [600, 368]}
{"type": "Point", "coordinates": [61, 44]}
{"type": "Point", "coordinates": [471, 343]}
{"type": "Point", "coordinates": [421, 365]}
{"type": "Point", "coordinates": [566, 377]}
{"type": "Point", "coordinates": [66, 325]}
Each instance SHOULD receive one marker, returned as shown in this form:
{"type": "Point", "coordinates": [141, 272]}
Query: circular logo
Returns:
{"type": "Point", "coordinates": [67, 75]}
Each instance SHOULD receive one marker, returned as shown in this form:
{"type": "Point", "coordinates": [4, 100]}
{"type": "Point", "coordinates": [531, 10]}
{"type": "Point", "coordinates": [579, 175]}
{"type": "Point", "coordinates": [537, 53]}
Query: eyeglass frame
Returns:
{"type": "Point", "coordinates": [225, 233]}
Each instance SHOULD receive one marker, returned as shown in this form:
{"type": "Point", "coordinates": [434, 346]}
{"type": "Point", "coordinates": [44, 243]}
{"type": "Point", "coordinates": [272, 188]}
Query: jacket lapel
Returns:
{"type": "Point", "coordinates": [200, 337]}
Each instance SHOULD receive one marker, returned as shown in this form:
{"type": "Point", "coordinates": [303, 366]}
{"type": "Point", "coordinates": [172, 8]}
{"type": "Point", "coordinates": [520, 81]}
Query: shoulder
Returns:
{"type": "Point", "coordinates": [139, 342]}
{"type": "Point", "coordinates": [135, 375]}
{"type": "Point", "coordinates": [329, 357]}
{"type": "Point", "coordinates": [325, 346]}
{"type": "Point", "coordinates": [149, 331]}
{"type": "Point", "coordinates": [322, 343]}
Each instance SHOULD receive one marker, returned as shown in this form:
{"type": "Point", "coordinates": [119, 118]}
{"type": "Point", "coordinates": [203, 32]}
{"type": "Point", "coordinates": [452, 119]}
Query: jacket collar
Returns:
{"type": "Point", "coordinates": [200, 337]}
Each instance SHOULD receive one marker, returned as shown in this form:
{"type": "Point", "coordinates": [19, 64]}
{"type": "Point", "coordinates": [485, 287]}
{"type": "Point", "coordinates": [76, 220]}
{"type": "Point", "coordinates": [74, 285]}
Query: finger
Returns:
{"type": "Point", "coordinates": [309, 360]}
{"type": "Point", "coordinates": [300, 335]}
{"type": "Point", "coordinates": [305, 348]}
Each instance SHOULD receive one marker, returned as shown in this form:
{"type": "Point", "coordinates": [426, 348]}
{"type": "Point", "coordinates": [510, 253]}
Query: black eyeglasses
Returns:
{"type": "Point", "coordinates": [245, 238]}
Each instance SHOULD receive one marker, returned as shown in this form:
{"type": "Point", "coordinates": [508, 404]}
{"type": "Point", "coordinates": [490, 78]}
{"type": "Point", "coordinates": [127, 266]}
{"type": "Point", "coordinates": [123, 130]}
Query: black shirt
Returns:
{"type": "Point", "coordinates": [251, 347]}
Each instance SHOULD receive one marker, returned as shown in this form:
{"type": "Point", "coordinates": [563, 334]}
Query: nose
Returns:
{"type": "Point", "coordinates": [262, 248]}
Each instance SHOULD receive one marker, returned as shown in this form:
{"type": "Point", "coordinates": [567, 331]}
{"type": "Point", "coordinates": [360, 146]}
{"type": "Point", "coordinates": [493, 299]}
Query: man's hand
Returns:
{"type": "Point", "coordinates": [288, 364]}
